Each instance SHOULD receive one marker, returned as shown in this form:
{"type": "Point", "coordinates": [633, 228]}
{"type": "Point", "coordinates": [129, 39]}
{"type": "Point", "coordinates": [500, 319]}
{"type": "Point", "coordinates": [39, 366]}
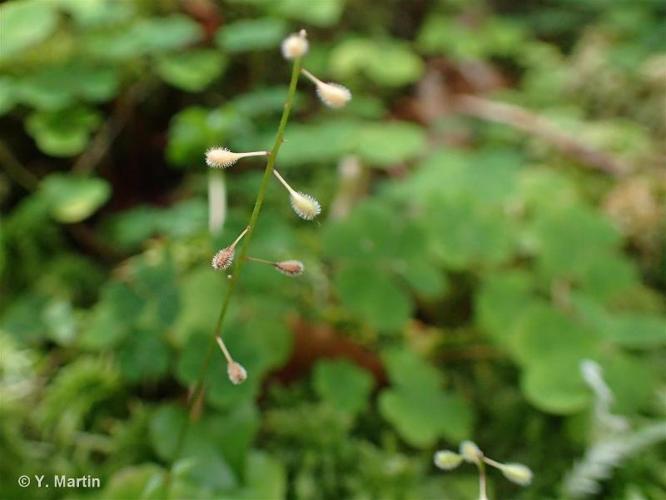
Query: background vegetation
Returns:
{"type": "Point", "coordinates": [469, 256]}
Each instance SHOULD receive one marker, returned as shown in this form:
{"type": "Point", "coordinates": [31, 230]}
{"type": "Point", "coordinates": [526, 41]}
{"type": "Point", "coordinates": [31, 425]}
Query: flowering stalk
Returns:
{"type": "Point", "coordinates": [268, 172]}
{"type": "Point", "coordinates": [471, 453]}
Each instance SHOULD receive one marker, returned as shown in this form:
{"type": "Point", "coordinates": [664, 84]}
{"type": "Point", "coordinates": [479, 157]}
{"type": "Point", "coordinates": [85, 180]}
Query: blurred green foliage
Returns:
{"type": "Point", "coordinates": [472, 266]}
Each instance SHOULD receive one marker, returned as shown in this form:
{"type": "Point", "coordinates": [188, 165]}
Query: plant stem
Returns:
{"type": "Point", "coordinates": [263, 261]}
{"type": "Point", "coordinates": [483, 494]}
{"type": "Point", "coordinates": [268, 172]}
{"type": "Point", "coordinates": [16, 170]}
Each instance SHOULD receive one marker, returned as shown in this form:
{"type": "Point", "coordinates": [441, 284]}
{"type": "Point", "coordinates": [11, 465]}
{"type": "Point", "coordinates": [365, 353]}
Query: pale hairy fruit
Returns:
{"type": "Point", "coordinates": [470, 452]}
{"type": "Point", "coordinates": [517, 473]}
{"type": "Point", "coordinates": [223, 158]}
{"type": "Point", "coordinates": [333, 95]}
{"type": "Point", "coordinates": [237, 374]}
{"type": "Point", "coordinates": [295, 45]}
{"type": "Point", "coordinates": [290, 267]}
{"type": "Point", "coordinates": [305, 206]}
{"type": "Point", "coordinates": [223, 259]}
{"type": "Point", "coordinates": [447, 459]}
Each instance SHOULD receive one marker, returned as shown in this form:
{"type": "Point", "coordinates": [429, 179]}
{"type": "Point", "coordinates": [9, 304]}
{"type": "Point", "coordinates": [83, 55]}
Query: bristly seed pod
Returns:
{"type": "Point", "coordinates": [290, 267]}
{"type": "Point", "coordinates": [295, 45]}
{"type": "Point", "coordinates": [471, 452]}
{"type": "Point", "coordinates": [305, 206]}
{"type": "Point", "coordinates": [223, 158]}
{"type": "Point", "coordinates": [235, 371]}
{"type": "Point", "coordinates": [287, 267]}
{"type": "Point", "coordinates": [517, 473]}
{"type": "Point", "coordinates": [223, 259]}
{"type": "Point", "coordinates": [331, 94]}
{"type": "Point", "coordinates": [447, 460]}
{"type": "Point", "coordinates": [237, 374]}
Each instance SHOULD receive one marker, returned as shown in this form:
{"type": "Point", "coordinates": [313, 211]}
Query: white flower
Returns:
{"type": "Point", "coordinates": [331, 94]}
{"type": "Point", "coordinates": [295, 45]}
{"type": "Point", "coordinates": [223, 158]}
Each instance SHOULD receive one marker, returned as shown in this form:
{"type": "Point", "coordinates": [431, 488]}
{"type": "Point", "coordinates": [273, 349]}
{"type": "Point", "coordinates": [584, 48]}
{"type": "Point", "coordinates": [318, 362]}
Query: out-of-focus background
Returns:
{"type": "Point", "coordinates": [494, 203]}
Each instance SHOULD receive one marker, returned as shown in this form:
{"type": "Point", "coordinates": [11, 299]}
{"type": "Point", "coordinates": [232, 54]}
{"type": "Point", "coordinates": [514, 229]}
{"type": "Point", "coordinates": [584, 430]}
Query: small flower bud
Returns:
{"type": "Point", "coordinates": [223, 259]}
{"type": "Point", "coordinates": [517, 473]}
{"type": "Point", "coordinates": [295, 45]}
{"type": "Point", "coordinates": [447, 459]}
{"type": "Point", "coordinates": [331, 94]}
{"type": "Point", "coordinates": [290, 267]}
{"type": "Point", "coordinates": [237, 374]}
{"type": "Point", "coordinates": [471, 452]}
{"type": "Point", "coordinates": [305, 206]}
{"type": "Point", "coordinates": [223, 158]}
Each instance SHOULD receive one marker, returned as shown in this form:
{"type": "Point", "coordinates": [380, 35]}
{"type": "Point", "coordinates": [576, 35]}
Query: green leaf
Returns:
{"type": "Point", "coordinates": [145, 481]}
{"type": "Point", "coordinates": [155, 35]}
{"type": "Point", "coordinates": [251, 35]}
{"type": "Point", "coordinates": [265, 478]}
{"type": "Point", "coordinates": [25, 24]}
{"type": "Point", "coordinates": [143, 356]}
{"type": "Point", "coordinates": [319, 142]}
{"type": "Point", "coordinates": [93, 13]}
{"type": "Point", "coordinates": [464, 233]}
{"type": "Point", "coordinates": [571, 241]}
{"type": "Point", "coordinates": [388, 144]}
{"type": "Point", "coordinates": [387, 63]}
{"type": "Point", "coordinates": [72, 198]}
{"type": "Point", "coordinates": [113, 316]}
{"type": "Point", "coordinates": [343, 384]}
{"type": "Point", "coordinates": [218, 444]}
{"type": "Point", "coordinates": [407, 369]}
{"type": "Point", "coordinates": [543, 335]}
{"type": "Point", "coordinates": [556, 386]}
{"type": "Point", "coordinates": [62, 324]}
{"type": "Point", "coordinates": [319, 13]}
{"type": "Point", "coordinates": [8, 92]}
{"type": "Point", "coordinates": [62, 133]}
{"type": "Point", "coordinates": [373, 297]}
{"type": "Point", "coordinates": [421, 416]}
{"type": "Point", "coordinates": [636, 330]}
{"type": "Point", "coordinates": [500, 304]}
{"type": "Point", "coordinates": [631, 380]}
{"type": "Point", "coordinates": [194, 129]}
{"type": "Point", "coordinates": [426, 279]}
{"type": "Point", "coordinates": [192, 71]}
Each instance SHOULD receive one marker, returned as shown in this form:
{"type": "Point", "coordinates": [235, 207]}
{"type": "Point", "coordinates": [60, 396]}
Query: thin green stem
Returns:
{"type": "Point", "coordinates": [16, 170]}
{"type": "Point", "coordinates": [268, 172]}
{"type": "Point", "coordinates": [263, 261]}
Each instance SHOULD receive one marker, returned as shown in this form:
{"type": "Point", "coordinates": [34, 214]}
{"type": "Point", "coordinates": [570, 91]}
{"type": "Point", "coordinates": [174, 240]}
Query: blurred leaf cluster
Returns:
{"type": "Point", "coordinates": [462, 270]}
